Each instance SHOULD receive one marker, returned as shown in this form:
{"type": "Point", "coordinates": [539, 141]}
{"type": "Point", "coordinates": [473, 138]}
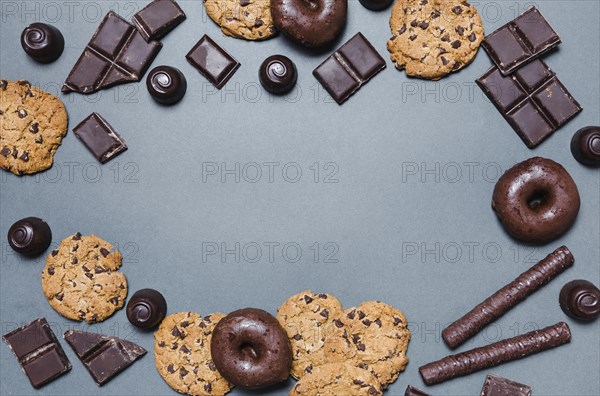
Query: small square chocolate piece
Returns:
{"type": "Point", "coordinates": [412, 391]}
{"type": "Point", "coordinates": [100, 138]}
{"type": "Point", "coordinates": [349, 68]}
{"type": "Point", "coordinates": [498, 386]}
{"type": "Point", "coordinates": [39, 354]}
{"type": "Point", "coordinates": [212, 61]}
{"type": "Point", "coordinates": [520, 41]}
{"type": "Point", "coordinates": [158, 18]}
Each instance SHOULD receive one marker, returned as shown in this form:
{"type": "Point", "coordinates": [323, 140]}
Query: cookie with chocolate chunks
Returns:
{"type": "Point", "coordinates": [336, 379]}
{"type": "Point", "coordinates": [432, 38]}
{"type": "Point", "coordinates": [308, 319]}
{"type": "Point", "coordinates": [182, 354]}
{"type": "Point", "coordinates": [32, 125]}
{"type": "Point", "coordinates": [246, 19]}
{"type": "Point", "coordinates": [375, 337]}
{"type": "Point", "coordinates": [81, 279]}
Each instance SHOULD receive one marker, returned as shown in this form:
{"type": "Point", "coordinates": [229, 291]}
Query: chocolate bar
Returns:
{"type": "Point", "coordinates": [520, 41]}
{"type": "Point", "coordinates": [498, 386]}
{"type": "Point", "coordinates": [100, 138]}
{"type": "Point", "coordinates": [116, 54]}
{"type": "Point", "coordinates": [532, 99]}
{"type": "Point", "coordinates": [494, 354]}
{"type": "Point", "coordinates": [349, 68]}
{"type": "Point", "coordinates": [212, 61]}
{"type": "Point", "coordinates": [103, 356]}
{"type": "Point", "coordinates": [412, 391]}
{"type": "Point", "coordinates": [507, 297]}
{"type": "Point", "coordinates": [39, 354]}
{"type": "Point", "coordinates": [158, 18]}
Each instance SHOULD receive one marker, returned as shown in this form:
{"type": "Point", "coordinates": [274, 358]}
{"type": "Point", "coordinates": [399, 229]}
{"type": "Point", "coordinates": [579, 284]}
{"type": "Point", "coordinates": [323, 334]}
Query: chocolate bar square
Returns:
{"type": "Point", "coordinates": [100, 138]}
{"type": "Point", "coordinates": [158, 18]}
{"type": "Point", "coordinates": [212, 61]}
{"type": "Point", "coordinates": [498, 386]}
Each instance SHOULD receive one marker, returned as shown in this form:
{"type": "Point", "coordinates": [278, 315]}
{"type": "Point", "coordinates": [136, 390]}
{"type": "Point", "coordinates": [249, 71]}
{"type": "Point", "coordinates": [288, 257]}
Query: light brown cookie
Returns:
{"type": "Point", "coordinates": [308, 318]}
{"type": "Point", "coordinates": [247, 19]}
{"type": "Point", "coordinates": [336, 379]}
{"type": "Point", "coordinates": [32, 125]}
{"type": "Point", "coordinates": [432, 38]}
{"type": "Point", "coordinates": [375, 337]}
{"type": "Point", "coordinates": [80, 279]}
{"type": "Point", "coordinates": [182, 354]}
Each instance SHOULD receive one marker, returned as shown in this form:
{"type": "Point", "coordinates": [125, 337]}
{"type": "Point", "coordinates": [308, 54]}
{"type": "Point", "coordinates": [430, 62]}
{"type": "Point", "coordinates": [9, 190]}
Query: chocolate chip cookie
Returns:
{"type": "Point", "coordinates": [81, 279]}
{"type": "Point", "coordinates": [308, 319]}
{"type": "Point", "coordinates": [432, 38]}
{"type": "Point", "coordinates": [247, 19]}
{"type": "Point", "coordinates": [182, 354]}
{"type": "Point", "coordinates": [337, 379]}
{"type": "Point", "coordinates": [375, 338]}
{"type": "Point", "coordinates": [32, 126]}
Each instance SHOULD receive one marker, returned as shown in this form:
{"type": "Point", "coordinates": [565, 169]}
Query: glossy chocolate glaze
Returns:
{"type": "Point", "coordinates": [43, 42]}
{"type": "Point", "coordinates": [580, 300]}
{"type": "Point", "coordinates": [585, 146]}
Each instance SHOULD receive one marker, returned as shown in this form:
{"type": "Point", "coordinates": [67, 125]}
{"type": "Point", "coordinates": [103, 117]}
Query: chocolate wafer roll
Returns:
{"type": "Point", "coordinates": [494, 354]}
{"type": "Point", "coordinates": [510, 295]}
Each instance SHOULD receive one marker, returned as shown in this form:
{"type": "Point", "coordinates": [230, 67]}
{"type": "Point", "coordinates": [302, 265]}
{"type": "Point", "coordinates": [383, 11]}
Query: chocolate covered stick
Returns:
{"type": "Point", "coordinates": [510, 295]}
{"type": "Point", "coordinates": [494, 354]}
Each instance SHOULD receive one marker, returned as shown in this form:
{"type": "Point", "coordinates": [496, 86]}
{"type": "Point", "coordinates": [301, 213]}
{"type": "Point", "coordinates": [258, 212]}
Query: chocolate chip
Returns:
{"type": "Point", "coordinates": [402, 29]}
{"type": "Point", "coordinates": [460, 30]}
{"type": "Point", "coordinates": [54, 253]}
{"type": "Point", "coordinates": [174, 346]}
{"type": "Point", "coordinates": [361, 315]}
{"type": "Point", "coordinates": [75, 248]}
{"type": "Point", "coordinates": [373, 391]}
{"type": "Point", "coordinates": [360, 346]}
{"type": "Point", "coordinates": [184, 324]}
{"type": "Point", "coordinates": [413, 37]}
{"type": "Point", "coordinates": [121, 286]}
{"type": "Point", "coordinates": [244, 3]}
{"type": "Point", "coordinates": [444, 60]}
{"type": "Point", "coordinates": [98, 269]}
{"type": "Point", "coordinates": [472, 37]}
{"type": "Point", "coordinates": [457, 10]}
{"type": "Point", "coordinates": [424, 25]}
{"type": "Point", "coordinates": [162, 344]}
{"type": "Point", "coordinates": [3, 84]}
{"type": "Point", "coordinates": [435, 14]}
{"type": "Point", "coordinates": [308, 299]}
{"type": "Point", "coordinates": [74, 260]}
{"type": "Point", "coordinates": [185, 349]}
{"type": "Point", "coordinates": [423, 2]}
{"type": "Point", "coordinates": [176, 332]}
{"type": "Point", "coordinates": [355, 338]}
{"type": "Point", "coordinates": [297, 337]}
{"type": "Point", "coordinates": [15, 152]}
{"type": "Point", "coordinates": [378, 322]}
{"type": "Point", "coordinates": [308, 369]}
{"type": "Point", "coordinates": [442, 50]}
{"type": "Point", "coordinates": [25, 156]}
{"type": "Point", "coordinates": [350, 315]}
{"type": "Point", "coordinates": [208, 387]}
{"type": "Point", "coordinates": [24, 82]}
{"type": "Point", "coordinates": [367, 322]}
{"type": "Point", "coordinates": [338, 323]}
{"type": "Point", "coordinates": [170, 368]}
{"type": "Point", "coordinates": [456, 44]}
{"type": "Point", "coordinates": [39, 139]}
{"type": "Point", "coordinates": [59, 296]}
{"type": "Point", "coordinates": [89, 275]}
{"type": "Point", "coordinates": [207, 318]}
{"type": "Point", "coordinates": [446, 37]}
{"type": "Point", "coordinates": [76, 237]}
{"type": "Point", "coordinates": [104, 252]}
{"type": "Point", "coordinates": [86, 269]}
{"type": "Point", "coordinates": [323, 296]}
{"type": "Point", "coordinates": [325, 313]}
{"type": "Point", "coordinates": [114, 300]}
{"type": "Point", "coordinates": [5, 151]}
{"type": "Point", "coordinates": [414, 23]}
{"type": "Point", "coordinates": [357, 382]}
{"type": "Point", "coordinates": [50, 270]}
{"type": "Point", "coordinates": [456, 65]}
{"type": "Point", "coordinates": [258, 22]}
{"type": "Point", "coordinates": [22, 113]}
{"type": "Point", "coordinates": [211, 366]}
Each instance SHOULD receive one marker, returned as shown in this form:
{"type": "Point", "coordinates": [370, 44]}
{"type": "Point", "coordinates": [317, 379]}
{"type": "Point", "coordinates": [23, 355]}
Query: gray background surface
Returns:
{"type": "Point", "coordinates": [399, 209]}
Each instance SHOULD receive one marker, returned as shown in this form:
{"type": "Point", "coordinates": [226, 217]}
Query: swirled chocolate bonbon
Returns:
{"type": "Point", "coordinates": [585, 145]}
{"type": "Point", "coordinates": [30, 236]}
{"type": "Point", "coordinates": [166, 84]}
{"type": "Point", "coordinates": [580, 299]}
{"type": "Point", "coordinates": [507, 297]}
{"type": "Point", "coordinates": [146, 308]}
{"type": "Point", "coordinates": [278, 74]}
{"type": "Point", "coordinates": [494, 354]}
{"type": "Point", "coordinates": [43, 42]}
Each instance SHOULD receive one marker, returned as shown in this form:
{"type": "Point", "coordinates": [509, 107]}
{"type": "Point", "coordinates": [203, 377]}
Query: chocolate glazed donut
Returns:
{"type": "Point", "coordinates": [251, 349]}
{"type": "Point", "coordinates": [536, 200]}
{"type": "Point", "coordinates": [312, 23]}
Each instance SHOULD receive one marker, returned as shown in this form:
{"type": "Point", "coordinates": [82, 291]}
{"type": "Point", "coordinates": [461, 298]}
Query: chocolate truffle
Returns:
{"type": "Point", "coordinates": [585, 145]}
{"type": "Point", "coordinates": [146, 308]}
{"type": "Point", "coordinates": [580, 300]}
{"type": "Point", "coordinates": [278, 74]}
{"type": "Point", "coordinates": [376, 5]}
{"type": "Point", "coordinates": [44, 43]}
{"type": "Point", "coordinates": [29, 236]}
{"type": "Point", "coordinates": [166, 84]}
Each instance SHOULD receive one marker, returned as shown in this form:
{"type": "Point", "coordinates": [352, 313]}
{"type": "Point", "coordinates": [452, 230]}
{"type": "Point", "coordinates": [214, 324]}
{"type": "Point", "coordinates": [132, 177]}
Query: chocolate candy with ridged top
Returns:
{"type": "Point", "coordinates": [30, 236]}
{"type": "Point", "coordinates": [167, 85]}
{"type": "Point", "coordinates": [146, 308]}
{"type": "Point", "coordinates": [278, 74]}
{"type": "Point", "coordinates": [212, 61]}
{"type": "Point", "coordinates": [585, 145]}
{"type": "Point", "coordinates": [43, 42]}
{"type": "Point", "coordinates": [580, 300]}
{"type": "Point", "coordinates": [376, 5]}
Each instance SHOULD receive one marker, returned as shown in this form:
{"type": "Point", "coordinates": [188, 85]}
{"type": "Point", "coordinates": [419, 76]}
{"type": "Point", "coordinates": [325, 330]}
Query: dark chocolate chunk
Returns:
{"type": "Point", "coordinates": [378, 5]}
{"type": "Point", "coordinates": [498, 386]}
{"type": "Point", "coordinates": [494, 354]}
{"type": "Point", "coordinates": [507, 297]}
{"type": "Point", "coordinates": [116, 54]}
{"type": "Point", "coordinates": [30, 236]}
{"type": "Point", "coordinates": [278, 74]}
{"type": "Point", "coordinates": [100, 138]}
{"type": "Point", "coordinates": [585, 146]}
{"type": "Point", "coordinates": [167, 85]}
{"type": "Point", "coordinates": [43, 42]}
{"type": "Point", "coordinates": [212, 61]}
{"type": "Point", "coordinates": [146, 308]}
{"type": "Point", "coordinates": [158, 18]}
{"type": "Point", "coordinates": [39, 354]}
{"type": "Point", "coordinates": [533, 100]}
{"type": "Point", "coordinates": [104, 357]}
{"type": "Point", "coordinates": [412, 391]}
{"type": "Point", "coordinates": [520, 41]}
{"type": "Point", "coordinates": [580, 300]}
{"type": "Point", "coordinates": [349, 68]}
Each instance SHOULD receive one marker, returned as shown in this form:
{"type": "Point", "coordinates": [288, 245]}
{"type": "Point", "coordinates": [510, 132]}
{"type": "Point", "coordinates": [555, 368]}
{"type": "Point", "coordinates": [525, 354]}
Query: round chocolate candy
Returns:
{"type": "Point", "coordinates": [376, 5]}
{"type": "Point", "coordinates": [146, 308]}
{"type": "Point", "coordinates": [278, 74]}
{"type": "Point", "coordinates": [580, 300]}
{"type": "Point", "coordinates": [585, 145]}
{"type": "Point", "coordinates": [166, 84]}
{"type": "Point", "coordinates": [30, 236]}
{"type": "Point", "coordinates": [43, 42]}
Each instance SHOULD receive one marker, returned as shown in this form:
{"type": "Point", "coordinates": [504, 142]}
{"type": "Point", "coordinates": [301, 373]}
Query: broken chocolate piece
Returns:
{"type": "Point", "coordinates": [212, 61]}
{"type": "Point", "coordinates": [412, 391]}
{"type": "Point", "coordinates": [158, 18]}
{"type": "Point", "coordinates": [498, 386]}
{"type": "Point", "coordinates": [100, 138]}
